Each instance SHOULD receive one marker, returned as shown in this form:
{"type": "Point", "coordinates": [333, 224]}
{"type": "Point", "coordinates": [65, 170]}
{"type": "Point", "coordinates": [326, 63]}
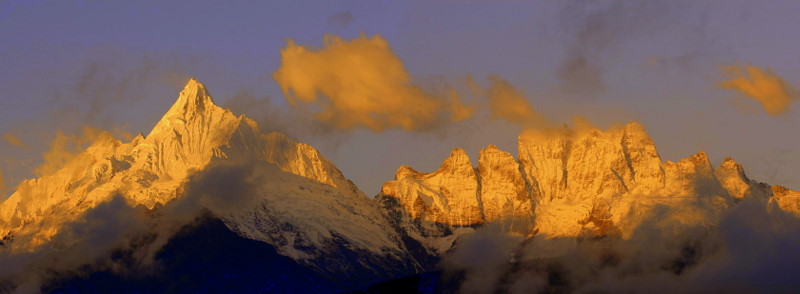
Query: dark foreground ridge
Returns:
{"type": "Point", "coordinates": [203, 257]}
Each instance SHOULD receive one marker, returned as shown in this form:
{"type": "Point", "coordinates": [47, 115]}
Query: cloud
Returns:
{"type": "Point", "coordinates": [755, 255]}
{"type": "Point", "coordinates": [362, 83]}
{"type": "Point", "coordinates": [14, 140]}
{"type": "Point", "coordinates": [259, 109]}
{"type": "Point", "coordinates": [223, 187]}
{"type": "Point", "coordinates": [65, 147]}
{"type": "Point", "coordinates": [110, 81]}
{"type": "Point", "coordinates": [597, 29]}
{"type": "Point", "coordinates": [270, 117]}
{"type": "Point", "coordinates": [341, 20]}
{"type": "Point", "coordinates": [508, 103]}
{"type": "Point", "coordinates": [747, 250]}
{"type": "Point", "coordinates": [580, 75]}
{"type": "Point", "coordinates": [89, 241]}
{"type": "Point", "coordinates": [483, 256]}
{"type": "Point", "coordinates": [762, 86]}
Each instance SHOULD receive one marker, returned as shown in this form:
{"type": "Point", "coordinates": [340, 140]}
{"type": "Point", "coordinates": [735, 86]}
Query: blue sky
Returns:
{"type": "Point", "coordinates": [120, 64]}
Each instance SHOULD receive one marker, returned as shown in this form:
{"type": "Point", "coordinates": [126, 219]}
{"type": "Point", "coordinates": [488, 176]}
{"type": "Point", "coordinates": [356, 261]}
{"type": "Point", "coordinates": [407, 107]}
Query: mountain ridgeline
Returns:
{"type": "Point", "coordinates": [204, 173]}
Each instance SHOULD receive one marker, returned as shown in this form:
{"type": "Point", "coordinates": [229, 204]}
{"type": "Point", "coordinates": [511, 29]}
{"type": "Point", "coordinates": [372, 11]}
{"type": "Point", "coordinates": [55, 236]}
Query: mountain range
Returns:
{"type": "Point", "coordinates": [206, 200]}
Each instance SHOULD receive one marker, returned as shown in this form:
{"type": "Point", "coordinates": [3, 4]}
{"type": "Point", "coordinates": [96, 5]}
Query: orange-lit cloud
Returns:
{"type": "Point", "coordinates": [509, 103]}
{"type": "Point", "coordinates": [763, 86]}
{"type": "Point", "coordinates": [13, 140]}
{"type": "Point", "coordinates": [64, 148]}
{"type": "Point", "coordinates": [362, 83]}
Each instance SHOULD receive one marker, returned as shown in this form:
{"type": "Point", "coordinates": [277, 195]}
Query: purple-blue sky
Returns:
{"type": "Point", "coordinates": [119, 65]}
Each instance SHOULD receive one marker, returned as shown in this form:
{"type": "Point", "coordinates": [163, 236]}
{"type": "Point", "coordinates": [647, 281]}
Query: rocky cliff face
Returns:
{"type": "Point", "coordinates": [571, 183]}
{"type": "Point", "coordinates": [582, 165]}
{"type": "Point", "coordinates": [448, 195]}
{"type": "Point", "coordinates": [732, 177]}
{"type": "Point", "coordinates": [786, 199]}
{"type": "Point", "coordinates": [506, 196]}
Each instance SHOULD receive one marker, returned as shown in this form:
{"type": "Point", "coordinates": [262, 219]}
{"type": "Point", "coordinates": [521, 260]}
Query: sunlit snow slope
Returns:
{"type": "Point", "coordinates": [303, 205]}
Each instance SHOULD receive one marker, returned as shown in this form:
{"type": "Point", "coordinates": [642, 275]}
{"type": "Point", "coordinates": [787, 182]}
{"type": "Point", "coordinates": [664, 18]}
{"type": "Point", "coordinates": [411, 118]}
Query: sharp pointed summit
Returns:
{"type": "Point", "coordinates": [195, 91]}
{"type": "Point", "coordinates": [194, 106]}
{"type": "Point", "coordinates": [192, 100]}
{"type": "Point", "coordinates": [193, 137]}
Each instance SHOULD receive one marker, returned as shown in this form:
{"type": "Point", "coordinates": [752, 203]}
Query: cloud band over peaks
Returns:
{"type": "Point", "coordinates": [362, 83]}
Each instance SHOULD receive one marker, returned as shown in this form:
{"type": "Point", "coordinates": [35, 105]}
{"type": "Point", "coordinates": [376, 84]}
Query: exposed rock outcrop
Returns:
{"type": "Point", "coordinates": [616, 177]}
{"type": "Point", "coordinates": [505, 195]}
{"type": "Point", "coordinates": [448, 195]}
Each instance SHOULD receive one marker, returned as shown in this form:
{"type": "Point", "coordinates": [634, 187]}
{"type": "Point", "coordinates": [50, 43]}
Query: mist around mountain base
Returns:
{"type": "Point", "coordinates": [206, 202]}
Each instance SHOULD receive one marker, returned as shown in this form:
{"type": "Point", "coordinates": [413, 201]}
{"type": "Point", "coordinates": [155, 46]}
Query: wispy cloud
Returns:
{"type": "Point", "coordinates": [509, 103]}
{"type": "Point", "coordinates": [595, 29]}
{"type": "Point", "coordinates": [65, 147]}
{"type": "Point", "coordinates": [341, 20]}
{"type": "Point", "coordinates": [14, 140]}
{"type": "Point", "coordinates": [771, 91]}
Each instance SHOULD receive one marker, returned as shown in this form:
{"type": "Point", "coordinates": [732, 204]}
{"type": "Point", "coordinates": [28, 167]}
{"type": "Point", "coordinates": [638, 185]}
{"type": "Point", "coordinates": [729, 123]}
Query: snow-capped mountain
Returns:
{"type": "Point", "coordinates": [300, 203]}
{"type": "Point", "coordinates": [271, 189]}
{"type": "Point", "coordinates": [566, 184]}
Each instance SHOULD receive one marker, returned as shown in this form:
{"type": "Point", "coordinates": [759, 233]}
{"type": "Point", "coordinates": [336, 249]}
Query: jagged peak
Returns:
{"type": "Point", "coordinates": [195, 86]}
{"type": "Point", "coordinates": [699, 160]}
{"type": "Point", "coordinates": [193, 102]}
{"type": "Point", "coordinates": [729, 164]}
{"type": "Point", "coordinates": [194, 98]}
{"type": "Point", "coordinates": [700, 157]}
{"type": "Point", "coordinates": [405, 171]}
{"type": "Point", "coordinates": [459, 152]}
{"type": "Point", "coordinates": [492, 150]}
{"type": "Point", "coordinates": [458, 158]}
{"type": "Point", "coordinates": [636, 130]}
{"type": "Point", "coordinates": [779, 190]}
{"type": "Point", "coordinates": [137, 139]}
{"type": "Point", "coordinates": [152, 170]}
{"type": "Point", "coordinates": [731, 176]}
